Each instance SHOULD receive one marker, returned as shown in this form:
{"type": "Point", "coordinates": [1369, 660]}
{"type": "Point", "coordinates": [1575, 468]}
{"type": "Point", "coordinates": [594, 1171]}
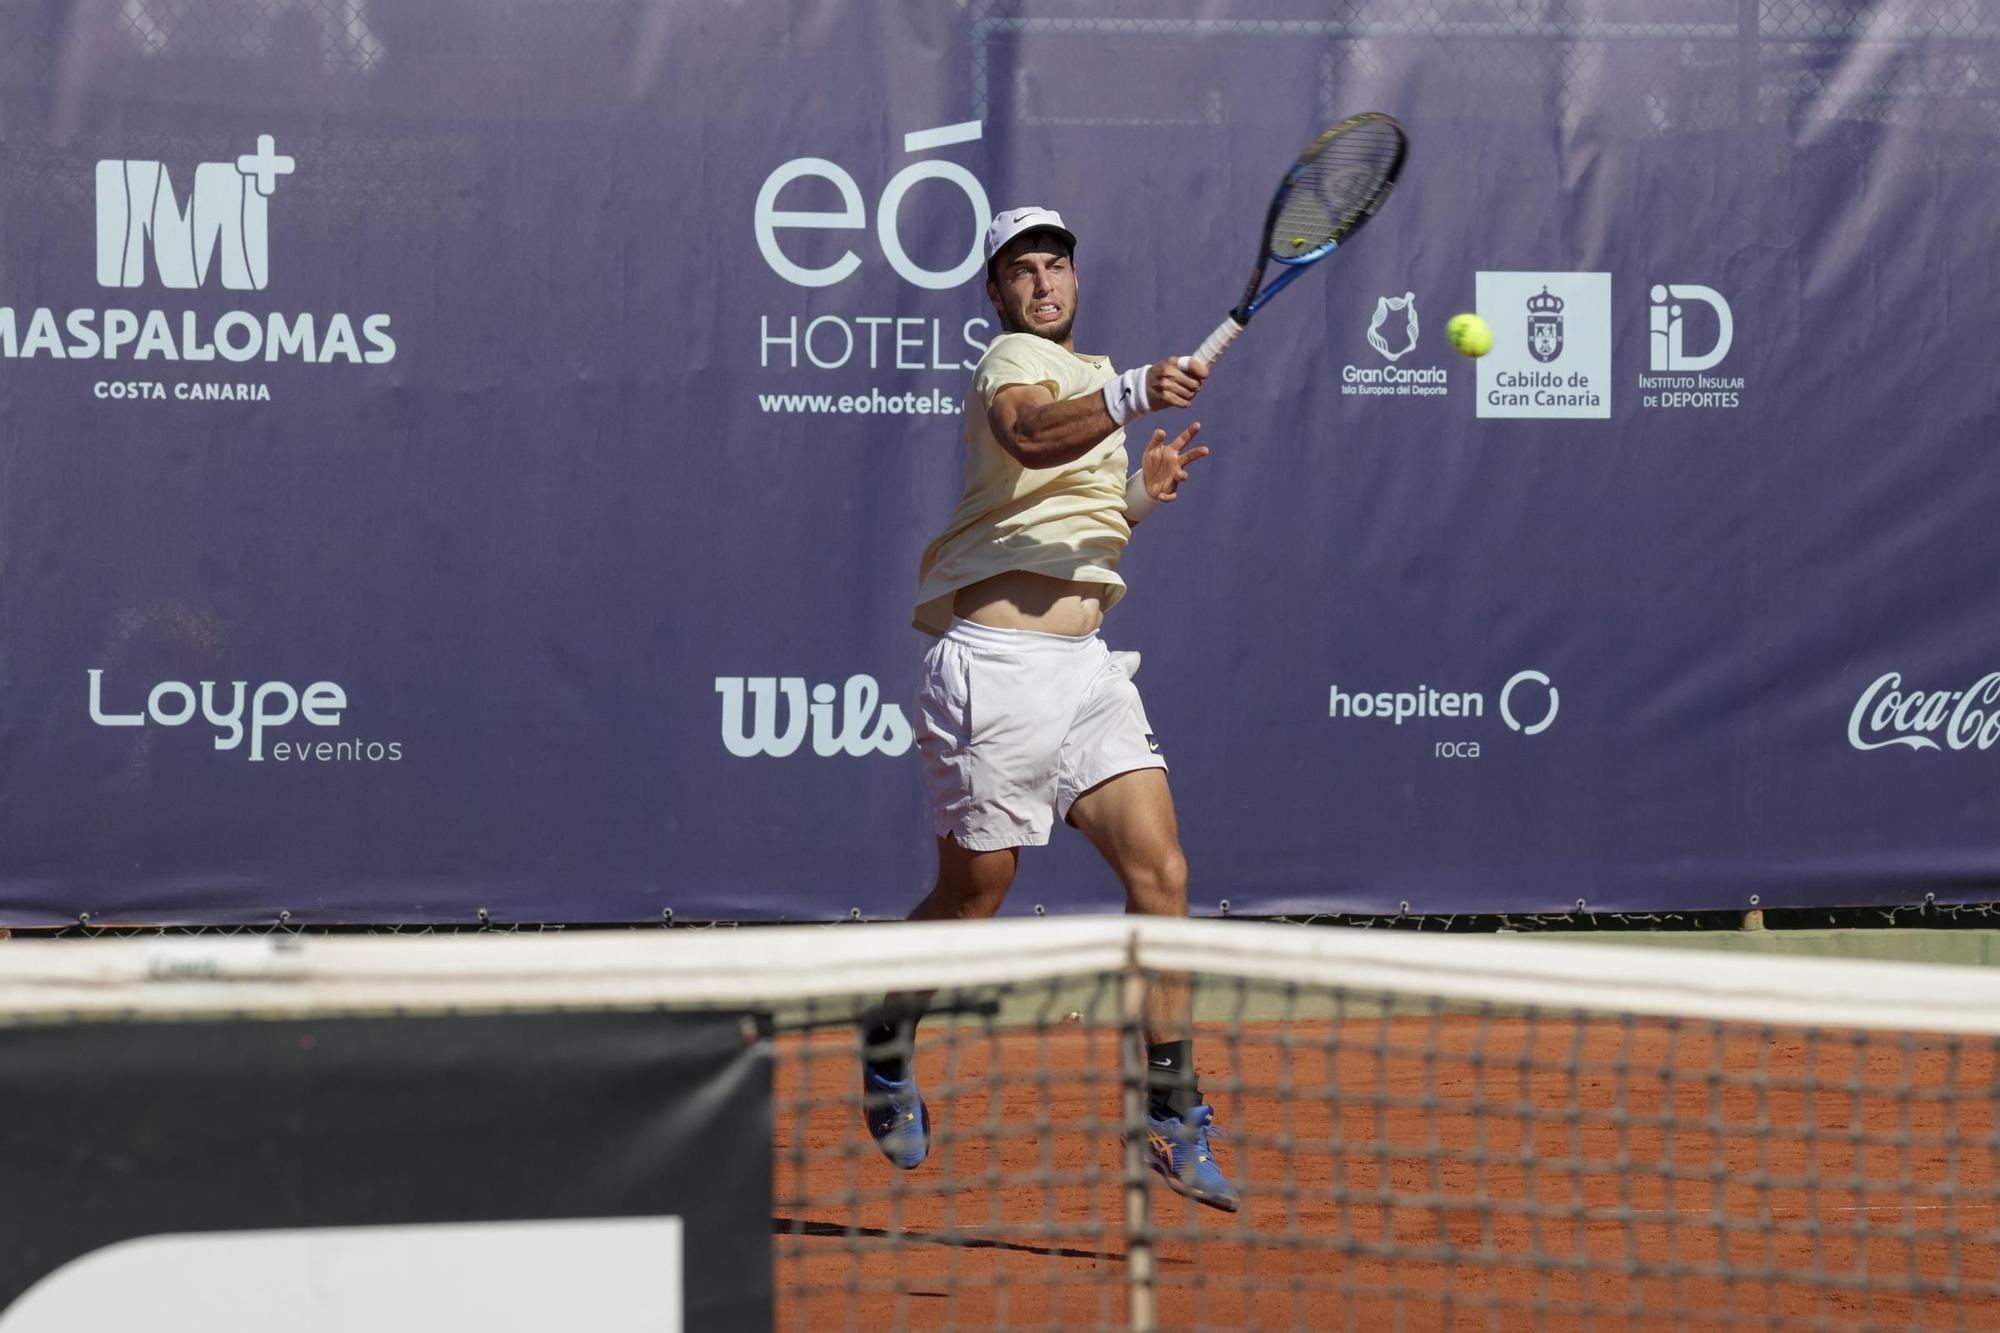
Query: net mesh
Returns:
{"type": "Point", "coordinates": [1427, 1132]}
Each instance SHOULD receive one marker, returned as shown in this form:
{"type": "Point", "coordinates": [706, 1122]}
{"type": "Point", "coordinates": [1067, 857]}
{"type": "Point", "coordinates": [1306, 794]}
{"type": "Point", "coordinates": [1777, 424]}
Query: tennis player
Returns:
{"type": "Point", "coordinates": [1025, 716]}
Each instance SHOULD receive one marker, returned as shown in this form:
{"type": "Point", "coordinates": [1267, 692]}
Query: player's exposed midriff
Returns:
{"type": "Point", "coordinates": [1018, 599]}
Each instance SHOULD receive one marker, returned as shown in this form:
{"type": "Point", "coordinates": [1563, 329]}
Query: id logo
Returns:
{"type": "Point", "coordinates": [228, 209]}
{"type": "Point", "coordinates": [864, 724]}
{"type": "Point", "coordinates": [1394, 338]}
{"type": "Point", "coordinates": [1679, 378]}
{"type": "Point", "coordinates": [1552, 356]}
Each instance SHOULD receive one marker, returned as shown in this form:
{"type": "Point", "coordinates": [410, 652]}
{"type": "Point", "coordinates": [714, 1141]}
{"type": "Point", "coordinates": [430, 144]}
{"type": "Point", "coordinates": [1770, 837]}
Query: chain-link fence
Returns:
{"type": "Point", "coordinates": [1628, 69]}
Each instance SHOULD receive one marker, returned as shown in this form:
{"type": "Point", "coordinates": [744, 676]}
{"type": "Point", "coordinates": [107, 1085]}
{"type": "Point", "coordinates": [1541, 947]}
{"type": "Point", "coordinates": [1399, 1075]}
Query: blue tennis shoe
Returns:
{"type": "Point", "coordinates": [898, 1120]}
{"type": "Point", "coordinates": [1177, 1148]}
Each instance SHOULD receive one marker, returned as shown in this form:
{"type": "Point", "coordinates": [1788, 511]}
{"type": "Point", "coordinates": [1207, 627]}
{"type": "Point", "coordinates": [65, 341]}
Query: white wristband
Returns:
{"type": "Point", "coordinates": [1139, 502]}
{"type": "Point", "coordinates": [1125, 397]}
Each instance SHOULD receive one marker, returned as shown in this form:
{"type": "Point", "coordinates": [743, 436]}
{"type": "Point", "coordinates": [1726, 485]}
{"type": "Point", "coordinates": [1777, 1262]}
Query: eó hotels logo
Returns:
{"type": "Point", "coordinates": [1386, 306]}
{"type": "Point", "coordinates": [227, 211]}
{"type": "Point", "coordinates": [1545, 326]}
{"type": "Point", "coordinates": [810, 245]}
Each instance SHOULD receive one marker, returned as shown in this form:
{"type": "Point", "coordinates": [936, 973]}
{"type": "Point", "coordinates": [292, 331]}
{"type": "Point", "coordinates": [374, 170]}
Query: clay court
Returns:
{"type": "Point", "coordinates": [1444, 1170]}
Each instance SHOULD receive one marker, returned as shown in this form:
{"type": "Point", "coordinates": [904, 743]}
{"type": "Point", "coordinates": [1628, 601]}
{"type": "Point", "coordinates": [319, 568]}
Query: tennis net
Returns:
{"type": "Point", "coordinates": [1427, 1131]}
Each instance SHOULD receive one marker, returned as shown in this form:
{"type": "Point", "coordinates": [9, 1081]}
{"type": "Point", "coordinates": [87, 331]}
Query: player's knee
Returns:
{"type": "Point", "coordinates": [1159, 887]}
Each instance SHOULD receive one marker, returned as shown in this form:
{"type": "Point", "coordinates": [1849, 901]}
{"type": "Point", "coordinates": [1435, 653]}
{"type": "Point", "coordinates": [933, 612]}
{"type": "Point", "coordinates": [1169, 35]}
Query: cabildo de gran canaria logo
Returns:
{"type": "Point", "coordinates": [1551, 352]}
{"type": "Point", "coordinates": [222, 232]}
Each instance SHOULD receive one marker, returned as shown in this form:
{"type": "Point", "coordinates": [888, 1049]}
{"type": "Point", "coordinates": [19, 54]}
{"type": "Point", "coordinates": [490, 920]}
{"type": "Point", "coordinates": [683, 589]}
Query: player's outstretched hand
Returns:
{"type": "Point", "coordinates": [1166, 464]}
{"type": "Point", "coordinates": [1168, 385]}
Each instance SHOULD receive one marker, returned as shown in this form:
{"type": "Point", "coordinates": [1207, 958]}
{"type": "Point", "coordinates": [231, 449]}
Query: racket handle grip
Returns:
{"type": "Point", "coordinates": [1225, 333]}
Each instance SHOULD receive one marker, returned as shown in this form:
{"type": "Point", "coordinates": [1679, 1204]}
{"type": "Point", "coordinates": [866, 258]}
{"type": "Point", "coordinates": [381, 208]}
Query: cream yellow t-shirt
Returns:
{"type": "Point", "coordinates": [1066, 522]}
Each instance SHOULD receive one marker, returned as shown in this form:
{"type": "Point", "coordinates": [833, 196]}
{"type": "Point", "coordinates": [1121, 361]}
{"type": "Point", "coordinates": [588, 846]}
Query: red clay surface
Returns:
{"type": "Point", "coordinates": [1415, 1173]}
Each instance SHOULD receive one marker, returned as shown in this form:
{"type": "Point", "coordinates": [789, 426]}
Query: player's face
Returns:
{"type": "Point", "coordinates": [1034, 288]}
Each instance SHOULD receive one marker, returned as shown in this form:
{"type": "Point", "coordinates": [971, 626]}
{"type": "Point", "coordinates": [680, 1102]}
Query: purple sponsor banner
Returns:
{"type": "Point", "coordinates": [476, 458]}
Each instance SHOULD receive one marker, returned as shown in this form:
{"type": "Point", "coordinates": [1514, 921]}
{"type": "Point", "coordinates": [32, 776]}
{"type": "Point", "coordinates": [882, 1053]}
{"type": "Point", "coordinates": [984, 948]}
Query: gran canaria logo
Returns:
{"type": "Point", "coordinates": [1386, 306]}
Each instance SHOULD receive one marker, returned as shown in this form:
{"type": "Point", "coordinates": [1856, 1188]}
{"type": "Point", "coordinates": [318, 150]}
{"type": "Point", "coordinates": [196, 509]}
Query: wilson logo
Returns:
{"type": "Point", "coordinates": [861, 724]}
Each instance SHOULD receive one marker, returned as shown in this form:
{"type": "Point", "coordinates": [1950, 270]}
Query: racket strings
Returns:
{"type": "Point", "coordinates": [1336, 188]}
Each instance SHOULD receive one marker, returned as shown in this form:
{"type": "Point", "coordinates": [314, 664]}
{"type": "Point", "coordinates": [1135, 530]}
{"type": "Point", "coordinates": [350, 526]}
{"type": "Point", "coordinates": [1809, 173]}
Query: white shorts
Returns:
{"type": "Point", "coordinates": [1015, 725]}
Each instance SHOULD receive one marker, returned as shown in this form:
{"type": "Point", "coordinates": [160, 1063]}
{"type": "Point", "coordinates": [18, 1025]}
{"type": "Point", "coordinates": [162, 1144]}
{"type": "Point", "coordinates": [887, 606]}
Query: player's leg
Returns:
{"type": "Point", "coordinates": [992, 790]}
{"type": "Point", "coordinates": [970, 885]}
{"type": "Point", "coordinates": [1115, 792]}
{"type": "Point", "coordinates": [1130, 820]}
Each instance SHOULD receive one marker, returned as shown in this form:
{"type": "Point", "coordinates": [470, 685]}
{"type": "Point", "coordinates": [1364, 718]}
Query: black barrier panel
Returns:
{"type": "Point", "coordinates": [608, 1125]}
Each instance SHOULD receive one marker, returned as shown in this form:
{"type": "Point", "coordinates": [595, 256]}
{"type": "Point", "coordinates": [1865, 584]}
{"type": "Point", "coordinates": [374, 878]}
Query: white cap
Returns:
{"type": "Point", "coordinates": [1013, 221]}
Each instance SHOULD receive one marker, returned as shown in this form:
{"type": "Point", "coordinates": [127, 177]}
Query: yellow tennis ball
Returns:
{"type": "Point", "coordinates": [1469, 335]}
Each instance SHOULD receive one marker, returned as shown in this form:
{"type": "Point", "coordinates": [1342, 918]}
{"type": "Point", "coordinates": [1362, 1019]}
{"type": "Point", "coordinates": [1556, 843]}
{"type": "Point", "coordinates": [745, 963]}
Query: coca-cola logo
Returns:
{"type": "Point", "coordinates": [1887, 714]}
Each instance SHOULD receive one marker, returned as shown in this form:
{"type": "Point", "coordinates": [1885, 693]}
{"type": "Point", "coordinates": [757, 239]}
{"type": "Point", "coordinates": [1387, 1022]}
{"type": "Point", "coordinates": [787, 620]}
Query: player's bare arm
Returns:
{"type": "Point", "coordinates": [1040, 432]}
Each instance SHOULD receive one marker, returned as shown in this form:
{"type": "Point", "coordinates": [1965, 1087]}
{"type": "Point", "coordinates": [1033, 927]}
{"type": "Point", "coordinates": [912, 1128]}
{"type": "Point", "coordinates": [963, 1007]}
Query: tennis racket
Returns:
{"type": "Point", "coordinates": [1337, 184]}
